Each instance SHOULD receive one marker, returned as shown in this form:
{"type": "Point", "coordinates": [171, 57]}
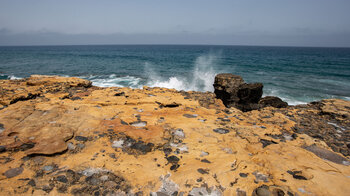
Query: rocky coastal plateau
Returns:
{"type": "Point", "coordinates": [63, 136]}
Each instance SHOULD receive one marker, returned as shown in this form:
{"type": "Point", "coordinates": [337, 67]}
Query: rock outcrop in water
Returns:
{"type": "Point", "coordinates": [234, 92]}
{"type": "Point", "coordinates": [62, 136]}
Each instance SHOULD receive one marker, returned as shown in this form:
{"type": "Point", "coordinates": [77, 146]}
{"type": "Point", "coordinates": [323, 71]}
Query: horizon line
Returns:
{"type": "Point", "coordinates": [244, 45]}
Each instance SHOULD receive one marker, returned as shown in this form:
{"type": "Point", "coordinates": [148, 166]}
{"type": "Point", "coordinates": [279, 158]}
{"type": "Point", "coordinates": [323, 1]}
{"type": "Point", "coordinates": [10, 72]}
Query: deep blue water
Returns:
{"type": "Point", "coordinates": [297, 75]}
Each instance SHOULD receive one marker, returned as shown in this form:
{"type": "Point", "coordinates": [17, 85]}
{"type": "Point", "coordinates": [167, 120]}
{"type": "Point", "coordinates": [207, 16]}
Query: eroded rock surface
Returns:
{"type": "Point", "coordinates": [62, 136]}
{"type": "Point", "coordinates": [234, 92]}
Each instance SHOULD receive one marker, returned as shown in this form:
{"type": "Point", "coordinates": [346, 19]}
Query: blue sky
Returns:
{"type": "Point", "coordinates": [235, 22]}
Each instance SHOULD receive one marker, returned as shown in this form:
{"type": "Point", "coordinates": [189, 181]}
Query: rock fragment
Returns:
{"type": "Point", "coordinates": [13, 172]}
{"type": "Point", "coordinates": [190, 115]}
{"type": "Point", "coordinates": [81, 138]}
{"type": "Point", "coordinates": [221, 130]}
{"type": "Point", "coordinates": [139, 124]}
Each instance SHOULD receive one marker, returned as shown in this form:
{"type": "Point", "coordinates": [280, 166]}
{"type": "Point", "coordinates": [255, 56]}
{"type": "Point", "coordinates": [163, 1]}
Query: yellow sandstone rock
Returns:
{"type": "Point", "coordinates": [62, 136]}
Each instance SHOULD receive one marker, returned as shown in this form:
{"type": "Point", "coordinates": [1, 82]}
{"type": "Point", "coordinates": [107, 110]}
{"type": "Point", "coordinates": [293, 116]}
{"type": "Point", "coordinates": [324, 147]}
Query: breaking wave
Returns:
{"type": "Point", "coordinates": [201, 77]}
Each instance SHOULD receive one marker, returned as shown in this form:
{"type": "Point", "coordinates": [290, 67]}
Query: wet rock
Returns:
{"type": "Point", "coordinates": [328, 155]}
{"type": "Point", "coordinates": [190, 115]}
{"type": "Point", "coordinates": [139, 124]}
{"type": "Point", "coordinates": [81, 138]}
{"type": "Point", "coordinates": [221, 130]}
{"type": "Point", "coordinates": [273, 102]}
{"type": "Point", "coordinates": [13, 172]}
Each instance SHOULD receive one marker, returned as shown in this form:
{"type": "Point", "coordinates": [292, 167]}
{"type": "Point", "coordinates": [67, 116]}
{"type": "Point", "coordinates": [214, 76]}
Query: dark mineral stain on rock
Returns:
{"type": "Point", "coordinates": [205, 161]}
{"type": "Point", "coordinates": [62, 178]}
{"type": "Point", "coordinates": [119, 94]}
{"type": "Point", "coordinates": [13, 172]}
{"type": "Point", "coordinates": [328, 155]}
{"type": "Point", "coordinates": [297, 175]}
{"type": "Point", "coordinates": [221, 130]}
{"type": "Point", "coordinates": [142, 147]}
{"type": "Point", "coordinates": [267, 142]}
{"type": "Point", "coordinates": [203, 171]}
{"type": "Point", "coordinates": [243, 175]}
{"type": "Point", "coordinates": [26, 146]}
{"type": "Point", "coordinates": [81, 138]}
{"type": "Point", "coordinates": [174, 167]}
{"type": "Point", "coordinates": [2, 149]}
{"type": "Point", "coordinates": [173, 159]}
{"type": "Point", "coordinates": [123, 122]}
{"type": "Point", "coordinates": [2, 128]}
{"type": "Point", "coordinates": [32, 183]}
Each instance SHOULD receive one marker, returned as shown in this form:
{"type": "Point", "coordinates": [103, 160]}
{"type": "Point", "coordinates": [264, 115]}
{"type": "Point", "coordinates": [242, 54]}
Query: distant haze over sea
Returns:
{"type": "Point", "coordinates": [296, 74]}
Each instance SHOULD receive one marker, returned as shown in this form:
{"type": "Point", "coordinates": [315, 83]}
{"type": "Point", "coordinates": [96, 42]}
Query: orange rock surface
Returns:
{"type": "Point", "coordinates": [62, 136]}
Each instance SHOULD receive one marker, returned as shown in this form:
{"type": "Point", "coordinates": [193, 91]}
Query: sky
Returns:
{"type": "Point", "coordinates": [324, 23]}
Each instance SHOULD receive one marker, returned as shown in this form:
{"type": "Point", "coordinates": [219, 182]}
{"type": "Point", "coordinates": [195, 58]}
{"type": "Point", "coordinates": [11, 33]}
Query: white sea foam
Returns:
{"type": "Point", "coordinates": [12, 77]}
{"type": "Point", "coordinates": [201, 77]}
{"type": "Point", "coordinates": [113, 81]}
{"type": "Point", "coordinates": [277, 93]}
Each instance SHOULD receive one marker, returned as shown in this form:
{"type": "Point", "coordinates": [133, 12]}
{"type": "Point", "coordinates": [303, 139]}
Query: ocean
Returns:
{"type": "Point", "coordinates": [296, 74]}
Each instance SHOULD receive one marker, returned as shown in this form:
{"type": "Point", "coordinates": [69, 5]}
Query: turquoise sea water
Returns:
{"type": "Point", "coordinates": [297, 75]}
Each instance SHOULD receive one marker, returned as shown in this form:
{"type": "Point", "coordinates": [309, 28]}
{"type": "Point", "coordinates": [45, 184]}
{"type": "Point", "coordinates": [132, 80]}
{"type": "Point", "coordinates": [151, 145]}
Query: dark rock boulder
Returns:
{"type": "Point", "coordinates": [234, 92]}
{"type": "Point", "coordinates": [273, 102]}
{"type": "Point", "coordinates": [250, 93]}
{"type": "Point", "coordinates": [226, 88]}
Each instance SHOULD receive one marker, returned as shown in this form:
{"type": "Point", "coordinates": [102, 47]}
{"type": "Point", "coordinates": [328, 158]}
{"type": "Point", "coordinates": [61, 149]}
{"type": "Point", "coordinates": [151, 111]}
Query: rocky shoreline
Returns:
{"type": "Point", "coordinates": [63, 136]}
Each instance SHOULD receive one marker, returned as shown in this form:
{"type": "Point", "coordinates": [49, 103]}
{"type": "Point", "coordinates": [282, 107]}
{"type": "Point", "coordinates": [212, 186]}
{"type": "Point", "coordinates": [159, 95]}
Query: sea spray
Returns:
{"type": "Point", "coordinates": [201, 77]}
